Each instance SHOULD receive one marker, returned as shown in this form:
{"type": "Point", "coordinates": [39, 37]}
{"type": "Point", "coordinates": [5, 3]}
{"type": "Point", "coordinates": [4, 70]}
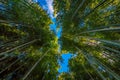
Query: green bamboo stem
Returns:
{"type": "Point", "coordinates": [92, 65]}
{"type": "Point", "coordinates": [41, 57]}
{"type": "Point", "coordinates": [100, 4]}
{"type": "Point", "coordinates": [4, 57]}
{"type": "Point", "coordinates": [20, 46]}
{"type": "Point", "coordinates": [104, 41]}
{"type": "Point", "coordinates": [101, 30]}
{"type": "Point", "coordinates": [87, 72]}
{"type": "Point", "coordinates": [9, 43]}
{"type": "Point", "coordinates": [14, 23]}
{"type": "Point", "coordinates": [10, 65]}
{"type": "Point", "coordinates": [110, 49]}
{"type": "Point", "coordinates": [116, 76]}
{"type": "Point", "coordinates": [20, 66]}
{"type": "Point", "coordinates": [80, 5]}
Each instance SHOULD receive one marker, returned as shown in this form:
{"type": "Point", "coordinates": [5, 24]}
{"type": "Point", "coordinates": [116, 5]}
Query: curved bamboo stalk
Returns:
{"type": "Point", "coordinates": [110, 49]}
{"type": "Point", "coordinates": [21, 65]}
{"type": "Point", "coordinates": [109, 42]}
{"type": "Point", "coordinates": [115, 58]}
{"type": "Point", "coordinates": [35, 64]}
{"type": "Point", "coordinates": [14, 23]}
{"type": "Point", "coordinates": [101, 30]}
{"type": "Point", "coordinates": [80, 5]}
{"type": "Point", "coordinates": [9, 55]}
{"type": "Point", "coordinates": [104, 41]}
{"type": "Point", "coordinates": [18, 47]}
{"type": "Point", "coordinates": [109, 3]}
{"type": "Point", "coordinates": [12, 39]}
{"type": "Point", "coordinates": [92, 65]}
{"type": "Point", "coordinates": [116, 76]}
{"type": "Point", "coordinates": [4, 10]}
{"type": "Point", "coordinates": [27, 5]}
{"type": "Point", "coordinates": [73, 10]}
{"type": "Point", "coordinates": [4, 57]}
{"type": "Point", "coordinates": [15, 70]}
{"type": "Point", "coordinates": [10, 65]}
{"type": "Point", "coordinates": [100, 4]}
{"type": "Point", "coordinates": [113, 14]}
{"type": "Point", "coordinates": [87, 72]}
{"type": "Point", "coordinates": [97, 7]}
{"type": "Point", "coordinates": [9, 43]}
{"type": "Point", "coordinates": [43, 78]}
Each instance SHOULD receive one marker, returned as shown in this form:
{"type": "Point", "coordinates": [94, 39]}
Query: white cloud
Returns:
{"type": "Point", "coordinates": [50, 7]}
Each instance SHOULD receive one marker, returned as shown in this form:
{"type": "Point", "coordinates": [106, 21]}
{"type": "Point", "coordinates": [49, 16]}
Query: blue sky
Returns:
{"type": "Point", "coordinates": [64, 64]}
{"type": "Point", "coordinates": [48, 6]}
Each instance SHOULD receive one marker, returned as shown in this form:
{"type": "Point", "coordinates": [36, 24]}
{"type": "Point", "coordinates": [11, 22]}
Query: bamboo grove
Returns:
{"type": "Point", "coordinates": [29, 50]}
{"type": "Point", "coordinates": [27, 46]}
{"type": "Point", "coordinates": [91, 31]}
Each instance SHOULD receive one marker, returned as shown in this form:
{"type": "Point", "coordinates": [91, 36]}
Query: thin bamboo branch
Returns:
{"type": "Point", "coordinates": [116, 76]}
{"type": "Point", "coordinates": [18, 68]}
{"type": "Point", "coordinates": [100, 4]}
{"type": "Point", "coordinates": [5, 56]}
{"type": "Point", "coordinates": [18, 47]}
{"type": "Point", "coordinates": [104, 41]}
{"type": "Point", "coordinates": [92, 65]}
{"type": "Point", "coordinates": [14, 23]}
{"type": "Point", "coordinates": [35, 65]}
{"type": "Point", "coordinates": [80, 5]}
{"type": "Point", "coordinates": [101, 30]}
{"type": "Point", "coordinates": [10, 65]}
{"type": "Point", "coordinates": [9, 43]}
{"type": "Point", "coordinates": [87, 72]}
{"type": "Point", "coordinates": [110, 49]}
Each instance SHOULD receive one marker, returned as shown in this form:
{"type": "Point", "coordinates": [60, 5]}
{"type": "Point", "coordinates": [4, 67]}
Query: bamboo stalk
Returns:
{"type": "Point", "coordinates": [100, 4]}
{"type": "Point", "coordinates": [92, 65]}
{"type": "Point", "coordinates": [116, 76]}
{"type": "Point", "coordinates": [87, 72]}
{"type": "Point", "coordinates": [80, 5]}
{"type": "Point", "coordinates": [104, 41]}
{"type": "Point", "coordinates": [18, 47]}
{"type": "Point", "coordinates": [101, 30]}
{"type": "Point", "coordinates": [110, 49]}
{"type": "Point", "coordinates": [10, 65]}
{"type": "Point", "coordinates": [35, 65]}
{"type": "Point", "coordinates": [14, 23]}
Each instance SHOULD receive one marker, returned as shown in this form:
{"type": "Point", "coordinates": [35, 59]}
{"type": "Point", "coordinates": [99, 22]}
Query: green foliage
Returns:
{"type": "Point", "coordinates": [93, 27]}
{"type": "Point", "coordinates": [90, 30]}
{"type": "Point", "coordinates": [24, 38]}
